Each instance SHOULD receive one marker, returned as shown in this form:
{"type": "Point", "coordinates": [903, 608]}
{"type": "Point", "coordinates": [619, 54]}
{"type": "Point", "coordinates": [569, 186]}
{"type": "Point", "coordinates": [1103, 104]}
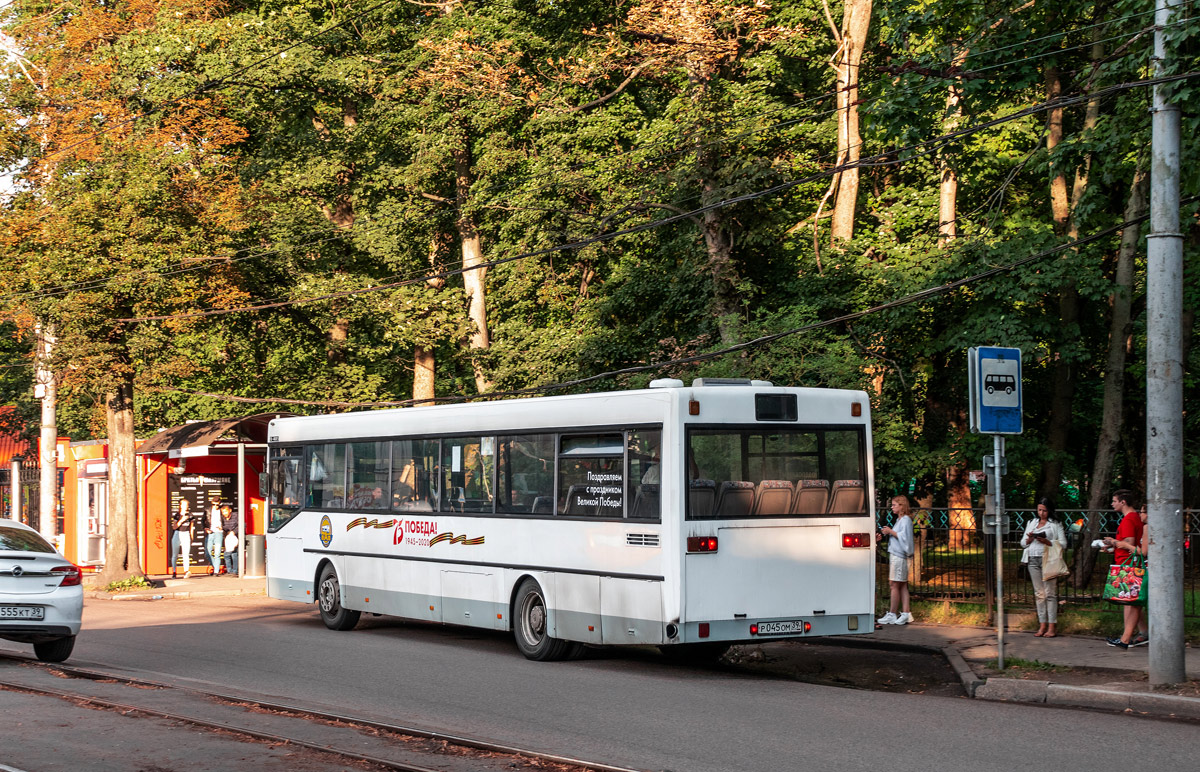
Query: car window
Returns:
{"type": "Point", "coordinates": [20, 540]}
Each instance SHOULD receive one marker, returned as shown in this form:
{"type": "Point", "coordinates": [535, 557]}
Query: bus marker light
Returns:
{"type": "Point", "coordinates": [693, 407]}
{"type": "Point", "coordinates": [499, 616]}
{"type": "Point", "coordinates": [703, 629]}
{"type": "Point", "coordinates": [856, 409]}
{"type": "Point", "coordinates": [856, 540]}
{"type": "Point", "coordinates": [702, 544]}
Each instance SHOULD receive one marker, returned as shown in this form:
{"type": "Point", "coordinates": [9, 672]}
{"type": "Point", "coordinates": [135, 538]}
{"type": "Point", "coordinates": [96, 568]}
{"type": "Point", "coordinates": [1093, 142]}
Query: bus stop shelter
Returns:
{"type": "Point", "coordinates": [205, 463]}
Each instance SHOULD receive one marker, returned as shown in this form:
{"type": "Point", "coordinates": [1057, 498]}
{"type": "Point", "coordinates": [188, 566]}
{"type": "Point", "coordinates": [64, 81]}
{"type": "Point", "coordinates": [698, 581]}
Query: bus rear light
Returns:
{"type": "Point", "coordinates": [856, 409]}
{"type": "Point", "coordinates": [702, 544]}
{"type": "Point", "coordinates": [702, 629]}
{"type": "Point", "coordinates": [856, 540]}
{"type": "Point", "coordinates": [754, 629]}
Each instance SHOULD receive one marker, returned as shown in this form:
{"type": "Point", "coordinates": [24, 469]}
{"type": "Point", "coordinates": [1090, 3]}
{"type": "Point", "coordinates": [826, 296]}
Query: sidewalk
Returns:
{"type": "Point", "coordinates": [966, 648]}
{"type": "Point", "coordinates": [197, 585]}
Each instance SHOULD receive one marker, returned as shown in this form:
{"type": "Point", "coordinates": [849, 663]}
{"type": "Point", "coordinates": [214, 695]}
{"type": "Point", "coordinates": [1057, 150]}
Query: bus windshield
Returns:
{"type": "Point", "coordinates": [751, 472]}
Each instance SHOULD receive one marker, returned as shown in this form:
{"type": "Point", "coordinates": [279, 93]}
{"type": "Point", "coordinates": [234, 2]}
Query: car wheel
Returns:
{"type": "Point", "coordinates": [329, 601]}
{"type": "Point", "coordinates": [55, 651]}
{"type": "Point", "coordinates": [531, 625]}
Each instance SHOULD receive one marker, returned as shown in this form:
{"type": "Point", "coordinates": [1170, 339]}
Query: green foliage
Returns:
{"type": "Point", "coordinates": [125, 585]}
{"type": "Point", "coordinates": [563, 136]}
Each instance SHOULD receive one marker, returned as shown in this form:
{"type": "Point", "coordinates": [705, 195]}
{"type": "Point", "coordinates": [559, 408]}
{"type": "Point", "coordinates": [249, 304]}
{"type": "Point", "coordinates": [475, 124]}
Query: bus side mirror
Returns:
{"type": "Point", "coordinates": [264, 484]}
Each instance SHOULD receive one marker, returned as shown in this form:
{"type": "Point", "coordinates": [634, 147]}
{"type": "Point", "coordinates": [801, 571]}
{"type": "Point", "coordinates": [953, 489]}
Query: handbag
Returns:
{"type": "Point", "coordinates": [1126, 583]}
{"type": "Point", "coordinates": [1053, 563]}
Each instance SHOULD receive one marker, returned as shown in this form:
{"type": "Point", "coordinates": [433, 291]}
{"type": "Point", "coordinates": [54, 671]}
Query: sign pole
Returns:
{"type": "Point", "coordinates": [998, 454]}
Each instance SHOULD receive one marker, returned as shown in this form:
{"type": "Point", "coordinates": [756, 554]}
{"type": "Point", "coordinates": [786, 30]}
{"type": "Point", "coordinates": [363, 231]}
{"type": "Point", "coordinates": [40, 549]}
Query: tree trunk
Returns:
{"type": "Point", "coordinates": [1062, 388]}
{"type": "Point", "coordinates": [948, 188]}
{"type": "Point", "coordinates": [1120, 325]}
{"type": "Point", "coordinates": [47, 391]}
{"type": "Point", "coordinates": [719, 248]}
{"type": "Point", "coordinates": [121, 559]}
{"type": "Point", "coordinates": [958, 500]}
{"type": "Point", "coordinates": [856, 20]}
{"type": "Point", "coordinates": [474, 278]}
{"type": "Point", "coordinates": [423, 372]}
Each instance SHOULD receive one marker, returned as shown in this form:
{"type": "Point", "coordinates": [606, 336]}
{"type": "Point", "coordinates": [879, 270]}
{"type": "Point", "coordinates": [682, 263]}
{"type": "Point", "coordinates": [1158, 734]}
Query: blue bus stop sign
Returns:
{"type": "Point", "coordinates": [994, 377]}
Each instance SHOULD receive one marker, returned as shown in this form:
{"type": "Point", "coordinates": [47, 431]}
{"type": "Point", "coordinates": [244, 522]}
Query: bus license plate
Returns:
{"type": "Point", "coordinates": [781, 628]}
{"type": "Point", "coordinates": [22, 612]}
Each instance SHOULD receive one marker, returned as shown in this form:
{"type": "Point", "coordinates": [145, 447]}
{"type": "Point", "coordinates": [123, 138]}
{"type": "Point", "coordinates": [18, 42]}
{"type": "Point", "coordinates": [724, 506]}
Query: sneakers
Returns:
{"type": "Point", "coordinates": [903, 619]}
{"type": "Point", "coordinates": [887, 619]}
{"type": "Point", "coordinates": [1140, 640]}
{"type": "Point", "coordinates": [1117, 642]}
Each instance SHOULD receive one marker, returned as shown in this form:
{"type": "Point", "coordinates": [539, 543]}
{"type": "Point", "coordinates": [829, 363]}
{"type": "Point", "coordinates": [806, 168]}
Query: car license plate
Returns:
{"type": "Point", "coordinates": [781, 628]}
{"type": "Point", "coordinates": [22, 612]}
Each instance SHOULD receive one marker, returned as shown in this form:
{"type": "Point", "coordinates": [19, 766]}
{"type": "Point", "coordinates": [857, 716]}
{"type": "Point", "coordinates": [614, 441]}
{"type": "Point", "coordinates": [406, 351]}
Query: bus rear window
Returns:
{"type": "Point", "coordinates": [799, 472]}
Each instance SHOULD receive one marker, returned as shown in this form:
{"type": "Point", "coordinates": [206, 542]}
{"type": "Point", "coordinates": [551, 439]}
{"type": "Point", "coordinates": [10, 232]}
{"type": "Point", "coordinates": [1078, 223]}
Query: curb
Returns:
{"type": "Point", "coordinates": [167, 595]}
{"type": "Point", "coordinates": [1094, 697]}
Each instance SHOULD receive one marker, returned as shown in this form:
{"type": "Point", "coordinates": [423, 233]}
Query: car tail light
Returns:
{"type": "Point", "coordinates": [702, 544]}
{"type": "Point", "coordinates": [856, 540]}
{"type": "Point", "coordinates": [71, 575]}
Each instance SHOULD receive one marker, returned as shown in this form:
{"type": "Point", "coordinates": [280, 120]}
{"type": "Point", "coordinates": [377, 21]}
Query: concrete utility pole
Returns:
{"type": "Point", "coordinates": [1164, 378]}
{"type": "Point", "coordinates": [46, 390]}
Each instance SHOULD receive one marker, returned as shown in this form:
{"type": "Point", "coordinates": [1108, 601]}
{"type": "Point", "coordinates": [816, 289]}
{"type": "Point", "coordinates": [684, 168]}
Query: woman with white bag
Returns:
{"type": "Point", "coordinates": [1044, 543]}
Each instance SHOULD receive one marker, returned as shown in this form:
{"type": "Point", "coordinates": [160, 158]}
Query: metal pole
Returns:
{"type": "Point", "coordinates": [15, 472]}
{"type": "Point", "coordinates": [241, 496]}
{"type": "Point", "coordinates": [46, 390]}
{"type": "Point", "coordinates": [1164, 378]}
{"type": "Point", "coordinates": [998, 454]}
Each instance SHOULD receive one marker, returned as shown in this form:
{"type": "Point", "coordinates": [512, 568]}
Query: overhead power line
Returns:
{"type": "Point", "coordinates": [915, 297]}
{"type": "Point", "coordinates": [881, 159]}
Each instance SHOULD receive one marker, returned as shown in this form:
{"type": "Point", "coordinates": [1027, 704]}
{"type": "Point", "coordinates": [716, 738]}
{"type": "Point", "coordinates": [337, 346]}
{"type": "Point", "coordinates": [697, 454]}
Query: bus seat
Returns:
{"type": "Point", "coordinates": [773, 497]}
{"type": "Point", "coordinates": [702, 497]}
{"type": "Point", "coordinates": [645, 504]}
{"type": "Point", "coordinates": [812, 496]}
{"type": "Point", "coordinates": [735, 498]}
{"type": "Point", "coordinates": [849, 498]}
{"type": "Point", "coordinates": [542, 505]}
{"type": "Point", "coordinates": [574, 493]}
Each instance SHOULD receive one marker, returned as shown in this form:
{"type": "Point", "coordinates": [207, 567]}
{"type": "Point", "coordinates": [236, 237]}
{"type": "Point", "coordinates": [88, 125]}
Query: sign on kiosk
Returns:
{"type": "Point", "coordinates": [995, 389]}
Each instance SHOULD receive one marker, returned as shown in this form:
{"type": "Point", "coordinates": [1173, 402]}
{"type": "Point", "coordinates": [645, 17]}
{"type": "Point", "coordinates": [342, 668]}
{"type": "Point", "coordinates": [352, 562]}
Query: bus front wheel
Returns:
{"type": "Point", "coordinates": [329, 600]}
{"type": "Point", "coordinates": [531, 625]}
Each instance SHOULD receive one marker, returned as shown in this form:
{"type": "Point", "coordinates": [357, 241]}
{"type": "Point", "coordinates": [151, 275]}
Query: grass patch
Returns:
{"type": "Point", "coordinates": [1072, 620]}
{"type": "Point", "coordinates": [1032, 665]}
{"type": "Point", "coordinates": [127, 584]}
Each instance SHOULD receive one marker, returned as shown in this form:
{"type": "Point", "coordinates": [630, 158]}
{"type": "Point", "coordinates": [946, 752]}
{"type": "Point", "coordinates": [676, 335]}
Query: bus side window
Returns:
{"type": "Point", "coordinates": [326, 475]}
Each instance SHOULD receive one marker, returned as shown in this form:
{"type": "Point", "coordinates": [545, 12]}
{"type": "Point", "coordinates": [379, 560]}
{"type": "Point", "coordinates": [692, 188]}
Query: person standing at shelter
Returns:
{"type": "Point", "coordinates": [1040, 533]}
{"type": "Point", "coordinates": [212, 536]}
{"type": "Point", "coordinates": [1128, 543]}
{"type": "Point", "coordinates": [229, 526]}
{"type": "Point", "coordinates": [900, 552]}
{"type": "Point", "coordinates": [181, 538]}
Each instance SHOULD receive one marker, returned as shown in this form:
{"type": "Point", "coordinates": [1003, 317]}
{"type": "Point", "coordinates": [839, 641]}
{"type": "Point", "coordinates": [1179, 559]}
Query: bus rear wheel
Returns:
{"type": "Point", "coordinates": [531, 623]}
{"type": "Point", "coordinates": [329, 601]}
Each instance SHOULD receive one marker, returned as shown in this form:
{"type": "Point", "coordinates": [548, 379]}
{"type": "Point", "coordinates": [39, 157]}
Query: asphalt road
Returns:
{"type": "Point", "coordinates": [628, 708]}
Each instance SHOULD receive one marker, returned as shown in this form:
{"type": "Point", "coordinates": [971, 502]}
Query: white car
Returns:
{"type": "Point", "coordinates": [41, 593]}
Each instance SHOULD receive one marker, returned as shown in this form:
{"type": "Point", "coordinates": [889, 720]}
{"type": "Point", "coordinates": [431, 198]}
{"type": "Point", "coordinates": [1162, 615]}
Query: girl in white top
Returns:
{"type": "Point", "coordinates": [900, 552]}
{"type": "Point", "coordinates": [1040, 533]}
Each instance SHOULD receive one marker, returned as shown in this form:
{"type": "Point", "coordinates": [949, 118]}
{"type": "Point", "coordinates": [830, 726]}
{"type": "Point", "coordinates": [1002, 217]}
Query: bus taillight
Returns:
{"type": "Point", "coordinates": [856, 540]}
{"type": "Point", "coordinates": [702, 544]}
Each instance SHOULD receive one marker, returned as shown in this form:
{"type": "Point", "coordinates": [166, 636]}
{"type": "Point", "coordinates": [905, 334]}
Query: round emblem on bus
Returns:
{"type": "Point", "coordinates": [326, 530]}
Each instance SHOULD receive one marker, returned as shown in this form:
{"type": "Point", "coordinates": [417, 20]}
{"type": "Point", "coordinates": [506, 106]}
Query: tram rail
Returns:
{"type": "Point", "coordinates": [381, 744]}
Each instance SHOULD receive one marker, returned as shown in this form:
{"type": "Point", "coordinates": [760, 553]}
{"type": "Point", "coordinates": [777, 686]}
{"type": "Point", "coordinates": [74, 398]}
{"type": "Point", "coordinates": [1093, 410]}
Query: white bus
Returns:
{"type": "Point", "coordinates": [685, 517]}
